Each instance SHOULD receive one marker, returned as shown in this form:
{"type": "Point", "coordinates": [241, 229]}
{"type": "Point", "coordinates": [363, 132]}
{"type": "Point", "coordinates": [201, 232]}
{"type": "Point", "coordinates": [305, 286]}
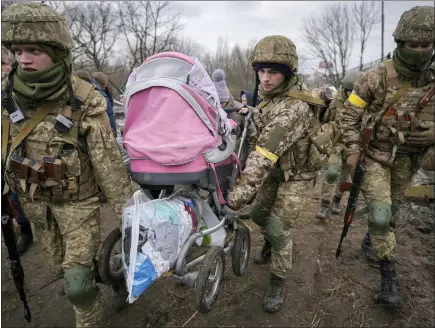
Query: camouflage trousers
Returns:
{"type": "Point", "coordinates": [277, 206]}
{"type": "Point", "coordinates": [328, 190]}
{"type": "Point", "coordinates": [387, 185]}
{"type": "Point", "coordinates": [69, 234]}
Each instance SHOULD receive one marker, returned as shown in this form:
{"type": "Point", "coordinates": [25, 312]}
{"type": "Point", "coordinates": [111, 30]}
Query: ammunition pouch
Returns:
{"type": "Point", "coordinates": [321, 147]}
{"type": "Point", "coordinates": [427, 159]}
{"type": "Point", "coordinates": [382, 152]}
{"type": "Point", "coordinates": [50, 180]}
{"type": "Point", "coordinates": [19, 167]}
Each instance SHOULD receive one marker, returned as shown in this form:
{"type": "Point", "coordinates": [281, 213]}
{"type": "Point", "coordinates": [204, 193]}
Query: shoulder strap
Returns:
{"type": "Point", "coordinates": [82, 89]}
{"type": "Point", "coordinates": [307, 98]}
{"type": "Point", "coordinates": [30, 125]}
{"type": "Point", "coordinates": [6, 124]}
{"type": "Point", "coordinates": [392, 79]}
{"type": "Point", "coordinates": [405, 86]}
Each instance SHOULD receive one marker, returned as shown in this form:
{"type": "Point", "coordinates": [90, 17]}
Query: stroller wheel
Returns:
{"type": "Point", "coordinates": [209, 279]}
{"type": "Point", "coordinates": [240, 251]}
{"type": "Point", "coordinates": [110, 259]}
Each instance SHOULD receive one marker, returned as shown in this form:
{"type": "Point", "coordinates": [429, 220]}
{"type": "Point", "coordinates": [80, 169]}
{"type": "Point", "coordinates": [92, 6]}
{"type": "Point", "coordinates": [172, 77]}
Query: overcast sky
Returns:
{"type": "Point", "coordinates": [242, 21]}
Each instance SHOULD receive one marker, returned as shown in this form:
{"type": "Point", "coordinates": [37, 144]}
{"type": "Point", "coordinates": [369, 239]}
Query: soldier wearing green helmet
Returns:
{"type": "Point", "coordinates": [394, 99]}
{"type": "Point", "coordinates": [61, 156]}
{"type": "Point", "coordinates": [280, 170]}
{"type": "Point", "coordinates": [336, 170]}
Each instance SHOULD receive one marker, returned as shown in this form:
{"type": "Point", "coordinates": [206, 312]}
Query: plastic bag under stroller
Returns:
{"type": "Point", "coordinates": [154, 232]}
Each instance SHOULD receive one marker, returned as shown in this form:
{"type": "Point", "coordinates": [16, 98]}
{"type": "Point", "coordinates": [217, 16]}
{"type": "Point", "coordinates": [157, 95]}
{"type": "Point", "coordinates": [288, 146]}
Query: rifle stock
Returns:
{"type": "Point", "coordinates": [354, 187]}
{"type": "Point", "coordinates": [14, 256]}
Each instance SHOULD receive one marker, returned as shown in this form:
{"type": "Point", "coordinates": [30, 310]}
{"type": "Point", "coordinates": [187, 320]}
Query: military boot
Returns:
{"type": "Point", "coordinates": [26, 237]}
{"type": "Point", "coordinates": [389, 292]}
{"type": "Point", "coordinates": [324, 211]}
{"type": "Point", "coordinates": [336, 207]}
{"type": "Point", "coordinates": [265, 254]}
{"type": "Point", "coordinates": [274, 298]}
{"type": "Point", "coordinates": [368, 249]}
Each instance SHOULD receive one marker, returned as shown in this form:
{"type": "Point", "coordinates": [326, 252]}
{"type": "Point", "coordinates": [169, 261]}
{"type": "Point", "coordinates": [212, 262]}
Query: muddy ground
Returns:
{"type": "Point", "coordinates": [321, 291]}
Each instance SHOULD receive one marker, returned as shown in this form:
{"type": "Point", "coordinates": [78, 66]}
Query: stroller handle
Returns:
{"type": "Point", "coordinates": [213, 229]}
{"type": "Point", "coordinates": [231, 110]}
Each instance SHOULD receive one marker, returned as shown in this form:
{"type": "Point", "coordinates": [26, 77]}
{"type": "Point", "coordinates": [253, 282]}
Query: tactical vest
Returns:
{"type": "Point", "coordinates": [50, 165]}
{"type": "Point", "coordinates": [399, 118]}
{"type": "Point", "coordinates": [310, 153]}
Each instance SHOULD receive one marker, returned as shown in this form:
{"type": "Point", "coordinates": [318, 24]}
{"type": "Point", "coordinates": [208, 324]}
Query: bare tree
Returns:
{"type": "Point", "coordinates": [187, 46]}
{"type": "Point", "coordinates": [366, 14]}
{"type": "Point", "coordinates": [149, 27]}
{"type": "Point", "coordinates": [59, 6]}
{"type": "Point", "coordinates": [94, 32]}
{"type": "Point", "coordinates": [6, 4]}
{"type": "Point", "coordinates": [330, 37]}
{"type": "Point", "coordinates": [235, 61]}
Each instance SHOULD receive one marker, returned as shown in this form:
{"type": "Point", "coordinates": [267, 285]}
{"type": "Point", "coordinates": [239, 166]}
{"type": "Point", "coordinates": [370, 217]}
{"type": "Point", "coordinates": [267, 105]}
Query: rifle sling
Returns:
{"type": "Point", "coordinates": [405, 86]}
{"type": "Point", "coordinates": [6, 124]}
{"type": "Point", "coordinates": [30, 125]}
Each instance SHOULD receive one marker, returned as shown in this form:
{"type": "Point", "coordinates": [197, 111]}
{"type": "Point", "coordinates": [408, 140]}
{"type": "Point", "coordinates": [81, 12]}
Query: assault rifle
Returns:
{"type": "Point", "coordinates": [357, 180]}
{"type": "Point", "coordinates": [428, 96]}
{"type": "Point", "coordinates": [14, 257]}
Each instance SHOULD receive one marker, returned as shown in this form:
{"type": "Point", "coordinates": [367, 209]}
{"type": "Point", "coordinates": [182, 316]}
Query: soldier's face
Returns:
{"type": "Point", "coordinates": [270, 78]}
{"type": "Point", "coordinates": [6, 66]}
{"type": "Point", "coordinates": [419, 46]}
{"type": "Point", "coordinates": [31, 57]}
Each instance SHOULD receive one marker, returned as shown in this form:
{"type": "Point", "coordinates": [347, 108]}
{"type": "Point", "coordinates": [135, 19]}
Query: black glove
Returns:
{"type": "Point", "coordinates": [228, 212]}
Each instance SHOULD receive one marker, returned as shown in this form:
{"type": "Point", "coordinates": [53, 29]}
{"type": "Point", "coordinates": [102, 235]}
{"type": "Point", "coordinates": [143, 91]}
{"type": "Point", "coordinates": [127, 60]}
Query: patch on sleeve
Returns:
{"type": "Point", "coordinates": [275, 137]}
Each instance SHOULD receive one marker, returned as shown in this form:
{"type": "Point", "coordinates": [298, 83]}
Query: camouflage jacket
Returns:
{"type": "Point", "coordinates": [333, 114]}
{"type": "Point", "coordinates": [284, 123]}
{"type": "Point", "coordinates": [88, 154]}
{"type": "Point", "coordinates": [372, 99]}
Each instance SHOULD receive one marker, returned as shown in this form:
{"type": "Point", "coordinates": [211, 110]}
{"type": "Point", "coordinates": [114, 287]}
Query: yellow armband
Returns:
{"type": "Point", "coordinates": [355, 100]}
{"type": "Point", "coordinates": [265, 153]}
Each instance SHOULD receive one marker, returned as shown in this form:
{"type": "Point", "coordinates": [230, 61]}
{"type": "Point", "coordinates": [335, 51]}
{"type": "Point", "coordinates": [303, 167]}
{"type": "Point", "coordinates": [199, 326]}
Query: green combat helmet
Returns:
{"type": "Point", "coordinates": [416, 25]}
{"type": "Point", "coordinates": [349, 81]}
{"type": "Point", "coordinates": [34, 23]}
{"type": "Point", "coordinates": [276, 49]}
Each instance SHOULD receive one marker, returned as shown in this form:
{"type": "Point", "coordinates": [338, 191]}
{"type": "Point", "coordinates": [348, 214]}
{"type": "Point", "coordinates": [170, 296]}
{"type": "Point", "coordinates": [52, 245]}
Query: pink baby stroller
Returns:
{"type": "Point", "coordinates": [177, 134]}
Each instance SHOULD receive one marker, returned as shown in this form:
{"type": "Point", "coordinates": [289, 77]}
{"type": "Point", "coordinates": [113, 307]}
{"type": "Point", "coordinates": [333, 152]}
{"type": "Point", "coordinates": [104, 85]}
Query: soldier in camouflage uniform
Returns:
{"type": "Point", "coordinates": [62, 153]}
{"type": "Point", "coordinates": [389, 96]}
{"type": "Point", "coordinates": [279, 170]}
{"type": "Point", "coordinates": [337, 170]}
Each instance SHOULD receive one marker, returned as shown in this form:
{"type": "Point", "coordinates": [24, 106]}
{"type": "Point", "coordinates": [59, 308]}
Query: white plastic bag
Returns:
{"type": "Point", "coordinates": [153, 234]}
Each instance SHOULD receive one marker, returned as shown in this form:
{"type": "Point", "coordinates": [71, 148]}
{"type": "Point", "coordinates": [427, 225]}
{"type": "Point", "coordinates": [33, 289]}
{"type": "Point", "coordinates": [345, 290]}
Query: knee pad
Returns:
{"type": "Point", "coordinates": [379, 218]}
{"type": "Point", "coordinates": [259, 217]}
{"type": "Point", "coordinates": [275, 234]}
{"type": "Point", "coordinates": [80, 286]}
{"type": "Point", "coordinates": [332, 173]}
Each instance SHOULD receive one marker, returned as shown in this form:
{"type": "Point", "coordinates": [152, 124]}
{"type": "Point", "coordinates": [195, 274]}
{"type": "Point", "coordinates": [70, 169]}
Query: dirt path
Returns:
{"type": "Point", "coordinates": [321, 290]}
